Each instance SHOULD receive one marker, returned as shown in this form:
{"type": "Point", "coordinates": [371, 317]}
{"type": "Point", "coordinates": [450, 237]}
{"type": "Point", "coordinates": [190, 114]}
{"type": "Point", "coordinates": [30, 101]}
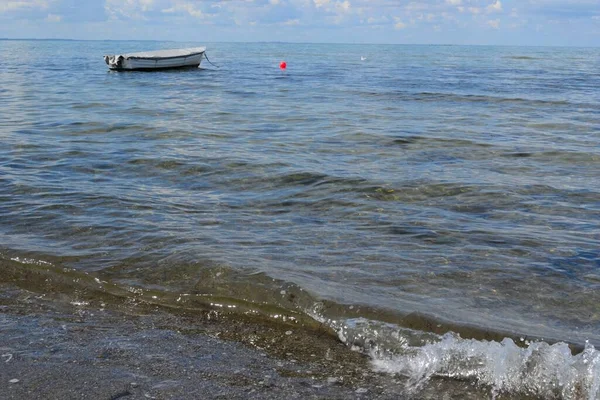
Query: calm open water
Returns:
{"type": "Point", "coordinates": [423, 189]}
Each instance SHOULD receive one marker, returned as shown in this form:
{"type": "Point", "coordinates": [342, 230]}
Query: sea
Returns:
{"type": "Point", "coordinates": [437, 207]}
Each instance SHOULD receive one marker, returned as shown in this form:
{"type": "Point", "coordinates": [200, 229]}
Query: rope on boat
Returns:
{"type": "Point", "coordinates": [205, 56]}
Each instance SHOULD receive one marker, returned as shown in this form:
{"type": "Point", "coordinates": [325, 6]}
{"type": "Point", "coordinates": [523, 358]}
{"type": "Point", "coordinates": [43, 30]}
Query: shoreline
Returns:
{"type": "Point", "coordinates": [259, 303]}
{"type": "Point", "coordinates": [65, 350]}
{"type": "Point", "coordinates": [57, 348]}
{"type": "Point", "coordinates": [66, 334]}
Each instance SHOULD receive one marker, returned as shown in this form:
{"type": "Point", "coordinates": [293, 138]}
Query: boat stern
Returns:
{"type": "Point", "coordinates": [114, 62]}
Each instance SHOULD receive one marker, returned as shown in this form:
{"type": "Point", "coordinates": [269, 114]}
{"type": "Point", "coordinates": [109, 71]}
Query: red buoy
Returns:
{"type": "Point", "coordinates": [283, 65]}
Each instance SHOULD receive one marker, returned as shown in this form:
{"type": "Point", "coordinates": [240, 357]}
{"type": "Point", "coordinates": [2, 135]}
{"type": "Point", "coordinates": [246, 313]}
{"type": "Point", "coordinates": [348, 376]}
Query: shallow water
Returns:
{"type": "Point", "coordinates": [453, 186]}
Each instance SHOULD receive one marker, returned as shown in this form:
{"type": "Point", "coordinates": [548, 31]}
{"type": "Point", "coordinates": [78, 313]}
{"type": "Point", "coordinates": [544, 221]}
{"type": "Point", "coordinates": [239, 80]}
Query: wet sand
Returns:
{"type": "Point", "coordinates": [67, 351]}
{"type": "Point", "coordinates": [52, 347]}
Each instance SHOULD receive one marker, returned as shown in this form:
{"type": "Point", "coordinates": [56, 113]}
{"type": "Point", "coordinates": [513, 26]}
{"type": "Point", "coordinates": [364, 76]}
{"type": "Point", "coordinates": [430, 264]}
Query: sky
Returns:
{"type": "Point", "coordinates": [494, 22]}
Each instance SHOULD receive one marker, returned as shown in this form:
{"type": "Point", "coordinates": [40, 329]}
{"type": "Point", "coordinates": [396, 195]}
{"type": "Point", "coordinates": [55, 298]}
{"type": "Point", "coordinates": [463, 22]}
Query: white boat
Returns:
{"type": "Point", "coordinates": [154, 60]}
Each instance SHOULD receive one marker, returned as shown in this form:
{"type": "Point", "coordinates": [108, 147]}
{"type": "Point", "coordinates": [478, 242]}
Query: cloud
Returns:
{"type": "Point", "coordinates": [260, 13]}
{"type": "Point", "coordinates": [342, 6]}
{"type": "Point", "coordinates": [421, 7]}
{"type": "Point", "coordinates": [54, 18]}
{"type": "Point", "coordinates": [399, 24]}
{"type": "Point", "coordinates": [494, 23]}
{"type": "Point", "coordinates": [128, 9]}
{"type": "Point", "coordinates": [185, 7]}
{"type": "Point", "coordinates": [496, 7]}
{"type": "Point", "coordinates": [464, 21]}
{"type": "Point", "coordinates": [20, 5]}
{"type": "Point", "coordinates": [377, 20]}
{"type": "Point", "coordinates": [330, 12]}
{"type": "Point", "coordinates": [291, 22]}
{"type": "Point", "coordinates": [337, 7]}
{"type": "Point", "coordinates": [146, 4]}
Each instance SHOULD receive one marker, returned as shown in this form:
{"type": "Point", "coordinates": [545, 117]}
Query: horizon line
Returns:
{"type": "Point", "coordinates": [285, 42]}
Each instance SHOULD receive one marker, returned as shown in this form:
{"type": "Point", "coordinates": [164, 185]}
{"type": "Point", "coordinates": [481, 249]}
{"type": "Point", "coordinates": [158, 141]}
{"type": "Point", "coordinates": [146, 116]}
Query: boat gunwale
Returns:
{"type": "Point", "coordinates": [162, 58]}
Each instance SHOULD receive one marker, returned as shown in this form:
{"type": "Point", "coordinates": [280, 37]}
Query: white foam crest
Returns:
{"type": "Point", "coordinates": [534, 369]}
{"type": "Point", "coordinates": [29, 261]}
{"type": "Point", "coordinates": [540, 369]}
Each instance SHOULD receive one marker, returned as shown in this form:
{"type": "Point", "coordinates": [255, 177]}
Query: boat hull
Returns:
{"type": "Point", "coordinates": [152, 63]}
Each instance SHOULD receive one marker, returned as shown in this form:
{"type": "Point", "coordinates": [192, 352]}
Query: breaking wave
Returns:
{"type": "Point", "coordinates": [506, 366]}
{"type": "Point", "coordinates": [540, 369]}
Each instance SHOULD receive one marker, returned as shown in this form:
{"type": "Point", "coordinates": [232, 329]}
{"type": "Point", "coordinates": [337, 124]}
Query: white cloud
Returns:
{"type": "Point", "coordinates": [321, 3]}
{"type": "Point", "coordinates": [494, 23]}
{"type": "Point", "coordinates": [184, 7]}
{"type": "Point", "coordinates": [399, 24]}
{"type": "Point", "coordinates": [458, 18]}
{"type": "Point", "coordinates": [292, 22]}
{"type": "Point", "coordinates": [339, 7]}
{"type": "Point", "coordinates": [496, 7]}
{"type": "Point", "coordinates": [15, 5]}
{"type": "Point", "coordinates": [334, 12]}
{"type": "Point", "coordinates": [342, 6]}
{"type": "Point", "coordinates": [146, 4]}
{"type": "Point", "coordinates": [413, 6]}
{"type": "Point", "coordinates": [448, 16]}
{"type": "Point", "coordinates": [54, 18]}
{"type": "Point", "coordinates": [132, 9]}
{"type": "Point", "coordinates": [378, 20]}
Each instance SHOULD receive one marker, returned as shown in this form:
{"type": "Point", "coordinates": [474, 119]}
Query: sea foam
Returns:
{"type": "Point", "coordinates": [540, 369]}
